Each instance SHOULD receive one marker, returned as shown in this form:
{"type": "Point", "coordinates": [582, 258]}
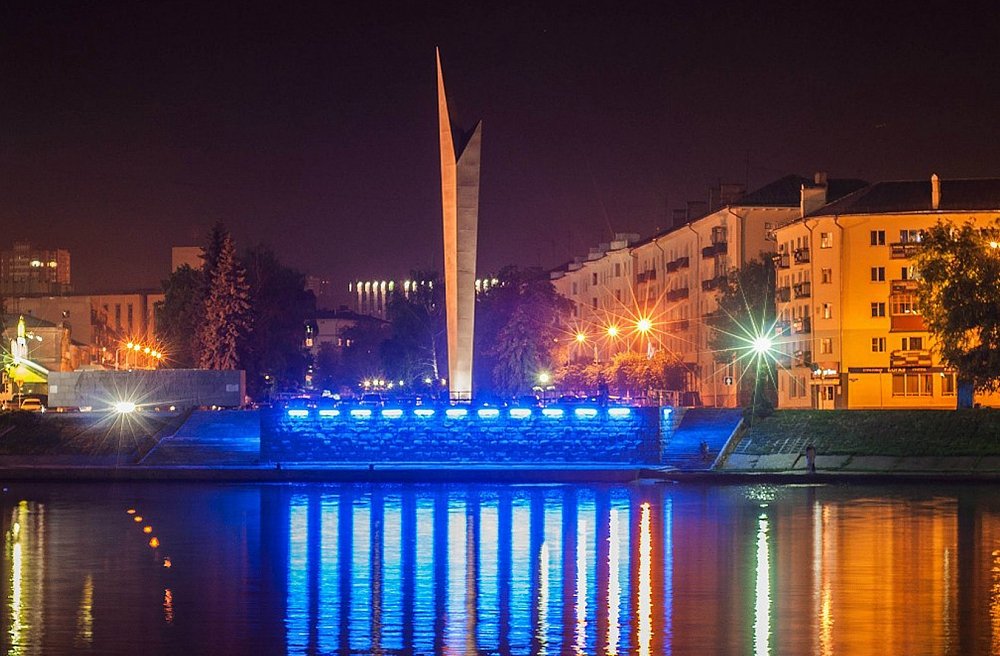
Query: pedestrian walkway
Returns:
{"type": "Point", "coordinates": [228, 437]}
{"type": "Point", "coordinates": [713, 426]}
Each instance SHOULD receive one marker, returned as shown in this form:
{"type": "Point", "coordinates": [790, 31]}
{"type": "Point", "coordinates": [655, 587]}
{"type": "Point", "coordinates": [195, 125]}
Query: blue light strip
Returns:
{"type": "Point", "coordinates": [329, 413]}
{"type": "Point", "coordinates": [488, 413]}
{"type": "Point", "coordinates": [585, 413]}
{"type": "Point", "coordinates": [424, 412]}
{"type": "Point", "coordinates": [553, 412]}
{"type": "Point", "coordinates": [619, 412]}
{"type": "Point", "coordinates": [520, 413]}
{"type": "Point", "coordinates": [392, 413]}
{"type": "Point", "coordinates": [361, 413]}
{"type": "Point", "coordinates": [298, 413]}
{"type": "Point", "coordinates": [456, 413]}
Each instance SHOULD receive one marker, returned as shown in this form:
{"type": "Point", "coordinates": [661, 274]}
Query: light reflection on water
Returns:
{"type": "Point", "coordinates": [480, 569]}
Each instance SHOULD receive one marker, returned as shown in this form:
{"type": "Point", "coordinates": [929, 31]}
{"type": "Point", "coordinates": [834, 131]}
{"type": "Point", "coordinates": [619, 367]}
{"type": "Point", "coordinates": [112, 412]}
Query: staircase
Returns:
{"type": "Point", "coordinates": [713, 426]}
{"type": "Point", "coordinates": [210, 438]}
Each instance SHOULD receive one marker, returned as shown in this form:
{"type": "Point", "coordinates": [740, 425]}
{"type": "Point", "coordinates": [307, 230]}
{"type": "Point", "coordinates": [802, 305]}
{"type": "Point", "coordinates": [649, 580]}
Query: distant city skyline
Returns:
{"type": "Point", "coordinates": [129, 129]}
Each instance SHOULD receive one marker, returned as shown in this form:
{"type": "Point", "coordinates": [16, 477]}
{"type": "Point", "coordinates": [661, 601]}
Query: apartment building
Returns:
{"type": "Point", "coordinates": [672, 278]}
{"type": "Point", "coordinates": [850, 326]}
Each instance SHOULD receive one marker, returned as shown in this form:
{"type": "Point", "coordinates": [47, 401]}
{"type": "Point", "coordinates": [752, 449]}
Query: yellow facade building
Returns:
{"type": "Point", "coordinates": [849, 325]}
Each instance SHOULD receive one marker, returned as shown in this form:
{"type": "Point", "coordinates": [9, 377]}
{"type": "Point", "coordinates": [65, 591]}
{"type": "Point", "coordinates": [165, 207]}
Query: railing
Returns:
{"type": "Point", "coordinates": [782, 328]}
{"type": "Point", "coordinates": [903, 286]}
{"type": "Point", "coordinates": [801, 326]}
{"type": "Point", "coordinates": [903, 250]}
{"type": "Point", "coordinates": [802, 289]}
{"type": "Point", "coordinates": [677, 294]}
{"type": "Point", "coordinates": [910, 358]}
{"type": "Point", "coordinates": [645, 276]}
{"type": "Point", "coordinates": [781, 261]}
{"type": "Point", "coordinates": [679, 263]}
{"type": "Point", "coordinates": [783, 294]}
{"type": "Point", "coordinates": [713, 283]}
{"type": "Point", "coordinates": [802, 358]}
{"type": "Point", "coordinates": [708, 251]}
{"type": "Point", "coordinates": [801, 255]}
{"type": "Point", "coordinates": [677, 325]}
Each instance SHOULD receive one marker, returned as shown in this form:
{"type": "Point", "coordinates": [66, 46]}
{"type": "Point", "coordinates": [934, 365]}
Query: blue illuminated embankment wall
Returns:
{"type": "Point", "coordinates": [581, 435]}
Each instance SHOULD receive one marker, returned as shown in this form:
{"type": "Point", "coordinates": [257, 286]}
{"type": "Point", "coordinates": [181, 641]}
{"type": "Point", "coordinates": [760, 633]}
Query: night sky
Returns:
{"type": "Point", "coordinates": [129, 127]}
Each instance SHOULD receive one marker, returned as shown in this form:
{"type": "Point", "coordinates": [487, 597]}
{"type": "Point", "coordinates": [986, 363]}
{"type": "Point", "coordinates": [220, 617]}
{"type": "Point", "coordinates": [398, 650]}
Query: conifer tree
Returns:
{"type": "Point", "coordinates": [227, 311]}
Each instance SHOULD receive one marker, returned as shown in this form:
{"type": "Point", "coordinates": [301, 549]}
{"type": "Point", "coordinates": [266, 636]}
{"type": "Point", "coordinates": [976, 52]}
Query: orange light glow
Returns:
{"type": "Point", "coordinates": [131, 511]}
{"type": "Point", "coordinates": [167, 563]}
{"type": "Point", "coordinates": [147, 529]}
{"type": "Point", "coordinates": [154, 542]}
{"type": "Point", "coordinates": [137, 518]}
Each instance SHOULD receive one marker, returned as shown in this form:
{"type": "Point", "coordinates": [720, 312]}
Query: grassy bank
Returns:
{"type": "Point", "coordinates": [81, 434]}
{"type": "Point", "coordinates": [876, 432]}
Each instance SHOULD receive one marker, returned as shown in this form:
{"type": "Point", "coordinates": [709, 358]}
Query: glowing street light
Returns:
{"type": "Point", "coordinates": [644, 325]}
{"type": "Point", "coordinates": [544, 378]}
{"type": "Point", "coordinates": [124, 407]}
{"type": "Point", "coordinates": [581, 338]}
{"type": "Point", "coordinates": [761, 344]}
{"type": "Point", "coordinates": [612, 331]}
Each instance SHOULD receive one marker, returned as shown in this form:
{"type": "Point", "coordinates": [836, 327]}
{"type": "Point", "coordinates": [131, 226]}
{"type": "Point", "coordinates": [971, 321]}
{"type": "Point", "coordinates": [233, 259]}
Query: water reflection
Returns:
{"type": "Point", "coordinates": [342, 569]}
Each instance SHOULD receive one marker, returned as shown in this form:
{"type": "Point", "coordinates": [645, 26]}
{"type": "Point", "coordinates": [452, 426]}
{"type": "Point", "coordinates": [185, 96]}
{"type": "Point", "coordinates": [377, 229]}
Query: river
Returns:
{"type": "Point", "coordinates": [178, 568]}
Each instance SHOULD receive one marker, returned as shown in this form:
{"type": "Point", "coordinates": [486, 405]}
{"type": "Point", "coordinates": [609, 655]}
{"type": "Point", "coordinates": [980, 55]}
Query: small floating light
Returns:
{"type": "Point", "coordinates": [361, 413]}
{"type": "Point", "coordinates": [154, 542]}
{"type": "Point", "coordinates": [456, 413]}
{"type": "Point", "coordinates": [329, 413]}
{"type": "Point", "coordinates": [488, 413]}
{"type": "Point", "coordinates": [618, 413]}
{"type": "Point", "coordinates": [298, 412]}
{"type": "Point", "coordinates": [553, 412]}
{"type": "Point", "coordinates": [392, 413]}
{"type": "Point", "coordinates": [585, 413]}
{"type": "Point", "coordinates": [424, 412]}
{"type": "Point", "coordinates": [520, 413]}
{"type": "Point", "coordinates": [124, 407]}
{"type": "Point", "coordinates": [147, 529]}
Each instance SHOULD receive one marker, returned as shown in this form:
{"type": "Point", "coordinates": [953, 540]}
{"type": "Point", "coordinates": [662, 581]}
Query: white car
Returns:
{"type": "Point", "coordinates": [32, 405]}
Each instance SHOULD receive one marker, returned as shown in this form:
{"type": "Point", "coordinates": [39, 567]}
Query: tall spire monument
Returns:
{"type": "Point", "coordinates": [460, 211]}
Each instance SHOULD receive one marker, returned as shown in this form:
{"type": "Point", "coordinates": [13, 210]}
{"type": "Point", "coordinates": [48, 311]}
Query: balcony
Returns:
{"type": "Point", "coordinates": [909, 359]}
{"type": "Point", "coordinates": [907, 323]}
{"type": "Point", "coordinates": [802, 326]}
{"type": "Point", "coordinates": [903, 250]}
{"type": "Point", "coordinates": [802, 359]}
{"type": "Point", "coordinates": [903, 286]}
{"type": "Point", "coordinates": [677, 325]}
{"type": "Point", "coordinates": [677, 294]}
{"type": "Point", "coordinates": [679, 263]}
{"type": "Point", "coordinates": [713, 283]}
{"type": "Point", "coordinates": [708, 251]}
{"type": "Point", "coordinates": [782, 328]}
{"type": "Point", "coordinates": [802, 289]}
{"type": "Point", "coordinates": [781, 261]}
{"type": "Point", "coordinates": [801, 255]}
{"type": "Point", "coordinates": [783, 294]}
{"type": "Point", "coordinates": [645, 276]}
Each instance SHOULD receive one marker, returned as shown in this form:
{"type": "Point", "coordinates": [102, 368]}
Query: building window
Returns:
{"type": "Point", "coordinates": [828, 392]}
{"type": "Point", "coordinates": [878, 344]}
{"type": "Point", "coordinates": [593, 279]}
{"type": "Point", "coordinates": [913, 343]}
{"type": "Point", "coordinates": [878, 237]}
{"type": "Point", "coordinates": [910, 236]}
{"type": "Point", "coordinates": [618, 270]}
{"type": "Point", "coordinates": [826, 345]}
{"type": "Point", "coordinates": [878, 309]}
{"type": "Point", "coordinates": [118, 315]}
{"type": "Point", "coordinates": [903, 304]}
{"type": "Point", "coordinates": [826, 240]}
{"type": "Point", "coordinates": [573, 289]}
{"type": "Point", "coordinates": [912, 385]}
{"type": "Point", "coordinates": [594, 302]}
{"type": "Point", "coordinates": [618, 295]}
{"type": "Point", "coordinates": [878, 274]}
{"type": "Point", "coordinates": [947, 384]}
{"type": "Point", "coordinates": [827, 311]}
{"type": "Point", "coordinates": [826, 276]}
{"type": "Point", "coordinates": [906, 273]}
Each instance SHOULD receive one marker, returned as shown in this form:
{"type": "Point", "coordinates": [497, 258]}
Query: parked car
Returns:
{"type": "Point", "coordinates": [370, 399]}
{"type": "Point", "coordinates": [32, 405]}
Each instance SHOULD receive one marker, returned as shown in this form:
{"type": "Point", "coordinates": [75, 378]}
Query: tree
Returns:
{"type": "Point", "coordinates": [179, 316]}
{"type": "Point", "coordinates": [281, 306]}
{"type": "Point", "coordinates": [959, 296]}
{"type": "Point", "coordinates": [227, 312]}
{"type": "Point", "coordinates": [517, 330]}
{"type": "Point", "coordinates": [744, 320]}
{"type": "Point", "coordinates": [417, 346]}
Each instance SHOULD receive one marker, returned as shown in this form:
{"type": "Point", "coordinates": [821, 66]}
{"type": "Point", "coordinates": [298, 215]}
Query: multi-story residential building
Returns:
{"type": "Point", "coordinates": [851, 328]}
{"type": "Point", "coordinates": [672, 279]}
{"type": "Point", "coordinates": [27, 270]}
{"type": "Point", "coordinates": [600, 284]}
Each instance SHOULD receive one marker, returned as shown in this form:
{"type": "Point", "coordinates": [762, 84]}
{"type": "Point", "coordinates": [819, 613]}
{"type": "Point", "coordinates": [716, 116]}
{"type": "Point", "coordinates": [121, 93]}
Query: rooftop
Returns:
{"type": "Point", "coordinates": [915, 196]}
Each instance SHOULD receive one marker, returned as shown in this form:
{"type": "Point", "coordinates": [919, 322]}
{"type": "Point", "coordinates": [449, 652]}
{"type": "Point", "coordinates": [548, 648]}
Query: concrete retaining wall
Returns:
{"type": "Point", "coordinates": [634, 438]}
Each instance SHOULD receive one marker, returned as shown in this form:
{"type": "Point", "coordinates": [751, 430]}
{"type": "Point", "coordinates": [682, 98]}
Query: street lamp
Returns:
{"type": "Point", "coordinates": [644, 325]}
